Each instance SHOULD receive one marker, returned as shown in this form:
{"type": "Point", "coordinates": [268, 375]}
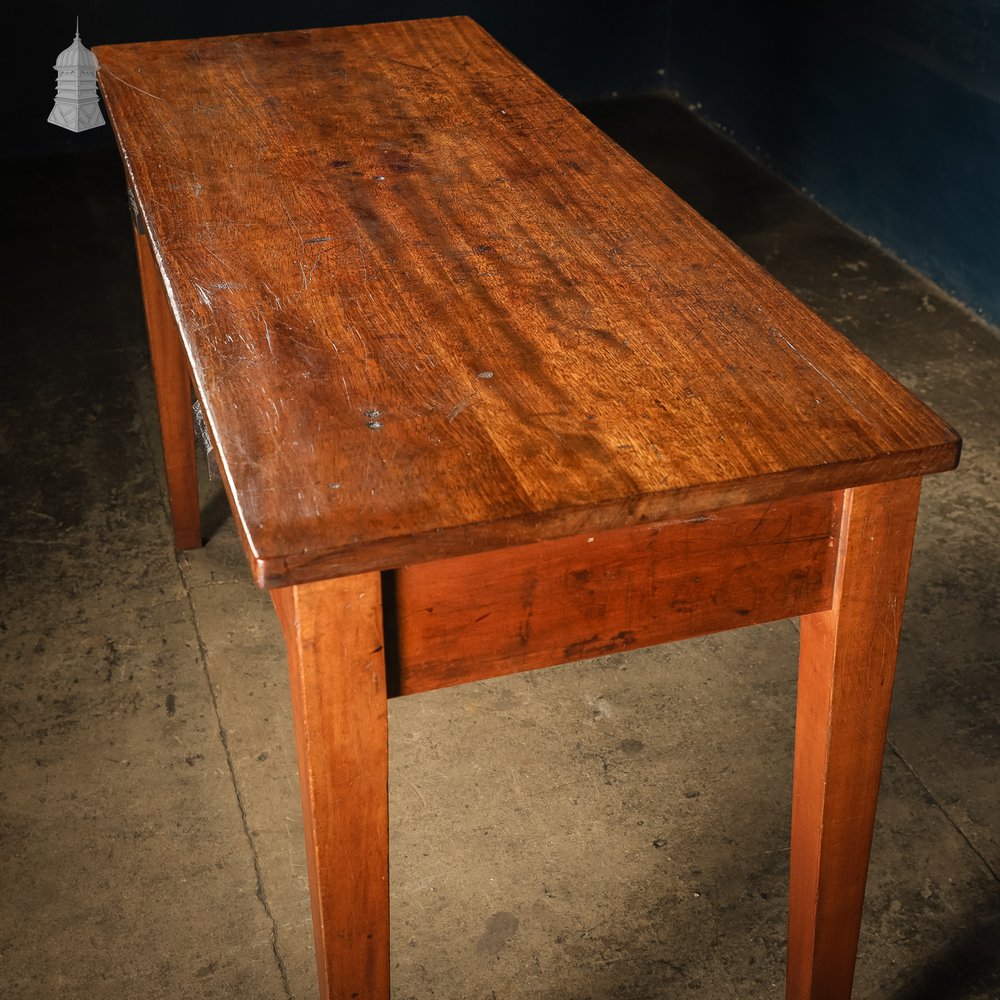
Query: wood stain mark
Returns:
{"type": "Point", "coordinates": [595, 646]}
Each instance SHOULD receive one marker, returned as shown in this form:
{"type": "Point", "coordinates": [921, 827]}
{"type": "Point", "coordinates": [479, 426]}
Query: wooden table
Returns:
{"type": "Point", "coordinates": [487, 396]}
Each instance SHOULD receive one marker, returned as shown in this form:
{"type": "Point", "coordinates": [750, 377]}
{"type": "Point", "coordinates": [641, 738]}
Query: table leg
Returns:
{"type": "Point", "coordinates": [334, 634]}
{"type": "Point", "coordinates": [846, 668]}
{"type": "Point", "coordinates": [173, 397]}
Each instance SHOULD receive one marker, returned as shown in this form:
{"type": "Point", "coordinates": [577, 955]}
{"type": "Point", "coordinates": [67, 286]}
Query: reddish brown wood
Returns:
{"type": "Point", "coordinates": [522, 608]}
{"type": "Point", "coordinates": [846, 670]}
{"type": "Point", "coordinates": [172, 378]}
{"type": "Point", "coordinates": [334, 635]}
{"type": "Point", "coordinates": [432, 310]}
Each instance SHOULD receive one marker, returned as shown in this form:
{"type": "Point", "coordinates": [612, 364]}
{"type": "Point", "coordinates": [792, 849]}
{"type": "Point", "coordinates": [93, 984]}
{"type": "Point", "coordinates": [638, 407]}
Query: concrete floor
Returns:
{"type": "Point", "coordinates": [612, 830]}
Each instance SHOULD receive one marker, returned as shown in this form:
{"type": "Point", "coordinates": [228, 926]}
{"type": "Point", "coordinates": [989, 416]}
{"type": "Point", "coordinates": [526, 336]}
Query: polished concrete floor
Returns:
{"type": "Point", "coordinates": [611, 830]}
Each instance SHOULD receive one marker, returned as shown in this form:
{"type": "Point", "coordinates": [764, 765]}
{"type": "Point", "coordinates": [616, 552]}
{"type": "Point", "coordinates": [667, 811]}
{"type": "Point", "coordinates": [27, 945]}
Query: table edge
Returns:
{"type": "Point", "coordinates": [287, 569]}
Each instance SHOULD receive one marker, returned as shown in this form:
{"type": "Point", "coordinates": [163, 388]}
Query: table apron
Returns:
{"type": "Point", "coordinates": [531, 606]}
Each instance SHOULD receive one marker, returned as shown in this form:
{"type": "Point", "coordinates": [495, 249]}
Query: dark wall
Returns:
{"type": "Point", "coordinates": [583, 50]}
{"type": "Point", "coordinates": [886, 111]}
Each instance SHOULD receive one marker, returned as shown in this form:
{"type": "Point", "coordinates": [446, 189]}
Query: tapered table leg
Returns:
{"type": "Point", "coordinates": [846, 668]}
{"type": "Point", "coordinates": [334, 634]}
{"type": "Point", "coordinates": [173, 397]}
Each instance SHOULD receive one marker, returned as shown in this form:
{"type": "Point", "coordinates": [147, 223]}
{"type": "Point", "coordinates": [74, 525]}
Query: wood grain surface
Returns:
{"type": "Point", "coordinates": [333, 630]}
{"type": "Point", "coordinates": [431, 310]}
{"type": "Point", "coordinates": [847, 664]}
{"type": "Point", "coordinates": [173, 402]}
{"type": "Point", "coordinates": [575, 598]}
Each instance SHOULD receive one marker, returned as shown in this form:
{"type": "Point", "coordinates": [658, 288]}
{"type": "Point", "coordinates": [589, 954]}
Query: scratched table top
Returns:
{"type": "Point", "coordinates": [430, 309]}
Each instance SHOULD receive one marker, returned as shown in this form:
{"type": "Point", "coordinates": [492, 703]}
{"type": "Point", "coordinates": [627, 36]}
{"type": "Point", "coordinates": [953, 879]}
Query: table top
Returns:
{"type": "Point", "coordinates": [430, 309]}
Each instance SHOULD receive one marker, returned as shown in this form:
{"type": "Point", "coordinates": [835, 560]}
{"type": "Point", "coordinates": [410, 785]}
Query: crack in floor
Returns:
{"type": "Point", "coordinates": [944, 812]}
{"type": "Point", "coordinates": [255, 858]}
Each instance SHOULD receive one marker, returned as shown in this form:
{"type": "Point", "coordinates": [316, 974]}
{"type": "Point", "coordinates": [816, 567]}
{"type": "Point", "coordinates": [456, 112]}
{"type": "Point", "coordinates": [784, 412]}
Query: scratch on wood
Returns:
{"type": "Point", "coordinates": [776, 333]}
{"type": "Point", "coordinates": [212, 253]}
{"type": "Point", "coordinates": [361, 340]}
{"type": "Point", "coordinates": [458, 409]}
{"type": "Point", "coordinates": [131, 86]}
{"type": "Point", "coordinates": [307, 278]}
{"type": "Point", "coordinates": [242, 68]}
{"type": "Point", "coordinates": [270, 291]}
